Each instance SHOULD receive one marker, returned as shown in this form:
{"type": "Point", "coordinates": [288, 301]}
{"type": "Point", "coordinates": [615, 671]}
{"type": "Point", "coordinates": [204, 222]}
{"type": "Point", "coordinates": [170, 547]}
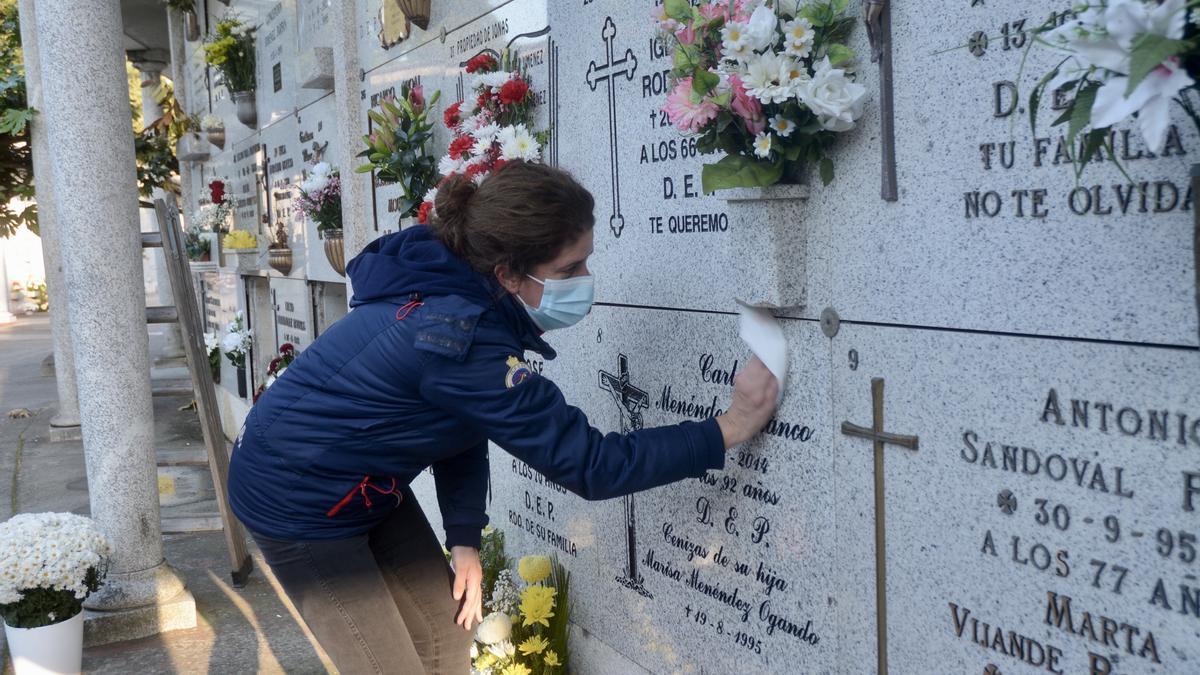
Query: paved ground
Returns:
{"type": "Point", "coordinates": [251, 630]}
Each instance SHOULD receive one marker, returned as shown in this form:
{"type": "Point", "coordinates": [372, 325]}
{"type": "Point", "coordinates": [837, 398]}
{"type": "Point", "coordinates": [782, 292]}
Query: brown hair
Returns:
{"type": "Point", "coordinates": [521, 216]}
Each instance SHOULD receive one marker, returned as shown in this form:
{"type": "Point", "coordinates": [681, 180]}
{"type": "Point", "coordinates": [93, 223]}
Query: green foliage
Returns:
{"type": "Point", "coordinates": [739, 171]}
{"type": "Point", "coordinates": [16, 159]}
{"type": "Point", "coordinates": [1149, 51]}
{"type": "Point", "coordinates": [181, 5]}
{"type": "Point", "coordinates": [492, 558]}
{"type": "Point", "coordinates": [156, 163]}
{"type": "Point", "coordinates": [397, 148]}
{"type": "Point", "coordinates": [38, 605]}
{"type": "Point", "coordinates": [197, 247]}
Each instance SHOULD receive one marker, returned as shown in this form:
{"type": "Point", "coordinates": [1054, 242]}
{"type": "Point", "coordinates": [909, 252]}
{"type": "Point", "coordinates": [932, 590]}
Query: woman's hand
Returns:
{"type": "Point", "coordinates": [468, 582]}
{"type": "Point", "coordinates": [755, 396]}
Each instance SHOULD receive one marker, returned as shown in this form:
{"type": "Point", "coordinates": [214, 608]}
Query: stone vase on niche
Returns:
{"type": "Point", "coordinates": [247, 108]}
{"type": "Point", "coordinates": [769, 240]}
{"type": "Point", "coordinates": [241, 259]}
{"type": "Point", "coordinates": [191, 25]}
{"type": "Point", "coordinates": [335, 251]}
{"type": "Point", "coordinates": [216, 137]}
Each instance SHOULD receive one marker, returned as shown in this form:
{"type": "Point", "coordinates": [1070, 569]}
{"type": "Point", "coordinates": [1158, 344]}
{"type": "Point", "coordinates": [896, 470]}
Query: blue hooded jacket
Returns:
{"type": "Point", "coordinates": [424, 370]}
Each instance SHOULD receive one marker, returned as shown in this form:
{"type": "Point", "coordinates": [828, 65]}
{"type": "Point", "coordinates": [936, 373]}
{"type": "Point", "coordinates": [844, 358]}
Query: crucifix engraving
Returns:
{"type": "Point", "coordinates": [630, 401]}
{"type": "Point", "coordinates": [878, 19]}
{"type": "Point", "coordinates": [880, 438]}
{"type": "Point", "coordinates": [610, 70]}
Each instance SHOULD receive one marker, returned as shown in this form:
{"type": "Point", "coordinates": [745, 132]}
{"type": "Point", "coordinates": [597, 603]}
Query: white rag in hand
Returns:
{"type": "Point", "coordinates": [763, 334]}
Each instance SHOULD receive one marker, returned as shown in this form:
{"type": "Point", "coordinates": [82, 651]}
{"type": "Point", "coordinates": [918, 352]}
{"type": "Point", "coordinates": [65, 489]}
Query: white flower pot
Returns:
{"type": "Point", "coordinates": [241, 259]}
{"type": "Point", "coordinates": [57, 648]}
{"type": "Point", "coordinates": [769, 240]}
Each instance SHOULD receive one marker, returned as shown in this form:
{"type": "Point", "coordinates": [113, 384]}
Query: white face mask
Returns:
{"type": "Point", "coordinates": [564, 301]}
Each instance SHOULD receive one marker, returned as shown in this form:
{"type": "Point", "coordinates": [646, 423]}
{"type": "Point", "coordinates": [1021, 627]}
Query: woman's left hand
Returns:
{"type": "Point", "coordinates": [468, 581]}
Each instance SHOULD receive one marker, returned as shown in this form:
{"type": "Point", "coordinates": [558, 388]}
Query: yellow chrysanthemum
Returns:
{"type": "Point", "coordinates": [534, 568]}
{"type": "Point", "coordinates": [517, 669]}
{"type": "Point", "coordinates": [486, 660]}
{"type": "Point", "coordinates": [552, 659]}
{"type": "Point", "coordinates": [536, 605]}
{"type": "Point", "coordinates": [534, 645]}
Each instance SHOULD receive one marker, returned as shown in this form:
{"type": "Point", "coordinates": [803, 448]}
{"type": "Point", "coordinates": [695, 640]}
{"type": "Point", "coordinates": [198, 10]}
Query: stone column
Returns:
{"type": "Point", "coordinates": [64, 425]}
{"type": "Point", "coordinates": [347, 84]}
{"type": "Point", "coordinates": [86, 113]}
{"type": "Point", "coordinates": [151, 64]}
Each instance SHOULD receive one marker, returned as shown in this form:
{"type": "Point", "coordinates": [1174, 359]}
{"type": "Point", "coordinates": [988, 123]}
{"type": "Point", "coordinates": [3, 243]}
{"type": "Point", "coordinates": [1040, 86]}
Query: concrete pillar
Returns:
{"type": "Point", "coordinates": [86, 113]}
{"type": "Point", "coordinates": [347, 85]}
{"type": "Point", "coordinates": [151, 69]}
{"type": "Point", "coordinates": [65, 424]}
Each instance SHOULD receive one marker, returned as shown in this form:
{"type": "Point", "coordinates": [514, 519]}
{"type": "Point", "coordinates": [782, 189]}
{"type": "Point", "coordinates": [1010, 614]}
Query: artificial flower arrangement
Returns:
{"type": "Point", "coordinates": [320, 197]}
{"type": "Point", "coordinates": [1121, 59]}
{"type": "Point", "coordinates": [49, 564]}
{"type": "Point", "coordinates": [212, 345]}
{"type": "Point", "coordinates": [768, 84]}
{"type": "Point", "coordinates": [287, 354]}
{"type": "Point", "coordinates": [240, 240]}
{"type": "Point", "coordinates": [397, 147]}
{"type": "Point", "coordinates": [230, 49]}
{"type": "Point", "coordinates": [525, 629]}
{"type": "Point", "coordinates": [199, 248]}
{"type": "Point", "coordinates": [214, 217]}
{"type": "Point", "coordinates": [237, 341]}
{"type": "Point", "coordinates": [497, 130]}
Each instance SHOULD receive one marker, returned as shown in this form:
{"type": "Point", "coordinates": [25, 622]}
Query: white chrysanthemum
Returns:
{"type": "Point", "coordinates": [49, 550]}
{"type": "Point", "coordinates": [210, 121]}
{"type": "Point", "coordinates": [503, 650]}
{"type": "Point", "coordinates": [486, 132]}
{"type": "Point", "coordinates": [322, 169]}
{"type": "Point", "coordinates": [735, 42]}
{"type": "Point", "coordinates": [762, 144]}
{"type": "Point", "coordinates": [211, 342]}
{"type": "Point", "coordinates": [431, 196]}
{"type": "Point", "coordinates": [495, 628]}
{"type": "Point", "coordinates": [798, 38]}
{"type": "Point", "coordinates": [517, 143]}
{"type": "Point", "coordinates": [448, 165]}
{"type": "Point", "coordinates": [782, 126]}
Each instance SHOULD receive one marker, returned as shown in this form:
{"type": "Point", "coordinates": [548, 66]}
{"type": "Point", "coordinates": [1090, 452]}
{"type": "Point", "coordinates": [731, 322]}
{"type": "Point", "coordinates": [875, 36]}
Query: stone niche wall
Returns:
{"type": "Point", "coordinates": [1038, 335]}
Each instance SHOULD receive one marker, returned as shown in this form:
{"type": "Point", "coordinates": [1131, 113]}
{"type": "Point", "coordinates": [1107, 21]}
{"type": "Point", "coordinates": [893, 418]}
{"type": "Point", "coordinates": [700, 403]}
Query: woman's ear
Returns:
{"type": "Point", "coordinates": [511, 282]}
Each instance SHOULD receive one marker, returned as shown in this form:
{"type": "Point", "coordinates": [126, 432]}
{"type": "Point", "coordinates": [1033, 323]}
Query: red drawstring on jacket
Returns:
{"type": "Point", "coordinates": [361, 489]}
{"type": "Point", "coordinates": [407, 309]}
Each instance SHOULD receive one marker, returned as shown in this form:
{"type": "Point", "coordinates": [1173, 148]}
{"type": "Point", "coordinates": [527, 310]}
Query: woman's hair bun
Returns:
{"type": "Point", "coordinates": [449, 221]}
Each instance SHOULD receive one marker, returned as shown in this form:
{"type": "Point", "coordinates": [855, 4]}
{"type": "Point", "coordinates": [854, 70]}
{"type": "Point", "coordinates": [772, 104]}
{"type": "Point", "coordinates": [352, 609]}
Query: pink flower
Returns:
{"type": "Point", "coordinates": [686, 115]}
{"type": "Point", "coordinates": [747, 107]}
{"type": "Point", "coordinates": [686, 34]}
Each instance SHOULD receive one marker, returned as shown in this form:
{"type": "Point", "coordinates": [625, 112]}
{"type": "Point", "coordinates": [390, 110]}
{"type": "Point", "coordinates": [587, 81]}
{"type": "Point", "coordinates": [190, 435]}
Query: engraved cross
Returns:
{"type": "Point", "coordinates": [610, 70]}
{"type": "Point", "coordinates": [881, 438]}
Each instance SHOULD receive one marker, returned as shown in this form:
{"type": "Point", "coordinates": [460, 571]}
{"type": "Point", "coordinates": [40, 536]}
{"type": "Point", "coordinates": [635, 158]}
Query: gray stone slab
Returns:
{"type": "Point", "coordinates": [1046, 471]}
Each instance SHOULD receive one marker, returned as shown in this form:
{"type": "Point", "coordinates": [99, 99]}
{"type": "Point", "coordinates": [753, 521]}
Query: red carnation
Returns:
{"type": "Point", "coordinates": [217, 191]}
{"type": "Point", "coordinates": [286, 348]}
{"type": "Point", "coordinates": [482, 100]}
{"type": "Point", "coordinates": [513, 91]}
{"type": "Point", "coordinates": [499, 164]}
{"type": "Point", "coordinates": [482, 63]}
{"type": "Point", "coordinates": [453, 117]}
{"type": "Point", "coordinates": [474, 170]}
{"type": "Point", "coordinates": [460, 146]}
{"type": "Point", "coordinates": [423, 213]}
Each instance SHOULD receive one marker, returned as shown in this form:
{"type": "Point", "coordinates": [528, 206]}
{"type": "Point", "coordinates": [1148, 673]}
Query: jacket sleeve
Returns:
{"type": "Point", "coordinates": [462, 483]}
{"type": "Point", "coordinates": [528, 417]}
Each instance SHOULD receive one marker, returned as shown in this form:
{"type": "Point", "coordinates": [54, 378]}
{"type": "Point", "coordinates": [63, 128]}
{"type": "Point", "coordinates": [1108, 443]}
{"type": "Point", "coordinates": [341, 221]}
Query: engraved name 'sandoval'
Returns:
{"type": "Point", "coordinates": [737, 593]}
{"type": "Point", "coordinates": [1085, 493]}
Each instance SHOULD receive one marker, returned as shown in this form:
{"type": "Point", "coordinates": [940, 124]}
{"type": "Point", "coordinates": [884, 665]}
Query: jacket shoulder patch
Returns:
{"type": "Point", "coordinates": [518, 372]}
{"type": "Point", "coordinates": [446, 327]}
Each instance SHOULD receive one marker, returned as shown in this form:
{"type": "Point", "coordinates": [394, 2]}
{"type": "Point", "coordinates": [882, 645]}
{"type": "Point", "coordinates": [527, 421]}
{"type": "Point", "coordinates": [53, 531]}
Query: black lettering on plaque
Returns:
{"type": "Point", "coordinates": [1004, 98]}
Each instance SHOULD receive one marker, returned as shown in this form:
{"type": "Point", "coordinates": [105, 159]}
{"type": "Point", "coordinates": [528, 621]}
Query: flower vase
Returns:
{"type": "Point", "coordinates": [247, 110]}
{"type": "Point", "coordinates": [216, 137]}
{"type": "Point", "coordinates": [191, 25]}
{"type": "Point", "coordinates": [335, 251]}
{"type": "Point", "coordinates": [190, 150]}
{"type": "Point", "coordinates": [280, 259]}
{"type": "Point", "coordinates": [242, 259]}
{"type": "Point", "coordinates": [57, 648]}
{"type": "Point", "coordinates": [769, 239]}
{"type": "Point", "coordinates": [241, 381]}
{"type": "Point", "coordinates": [216, 374]}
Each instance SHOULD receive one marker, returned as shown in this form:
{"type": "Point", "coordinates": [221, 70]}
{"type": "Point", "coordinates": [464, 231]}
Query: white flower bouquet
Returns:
{"type": "Point", "coordinates": [237, 341]}
{"type": "Point", "coordinates": [49, 564]}
{"type": "Point", "coordinates": [1122, 59]}
{"type": "Point", "coordinates": [768, 83]}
